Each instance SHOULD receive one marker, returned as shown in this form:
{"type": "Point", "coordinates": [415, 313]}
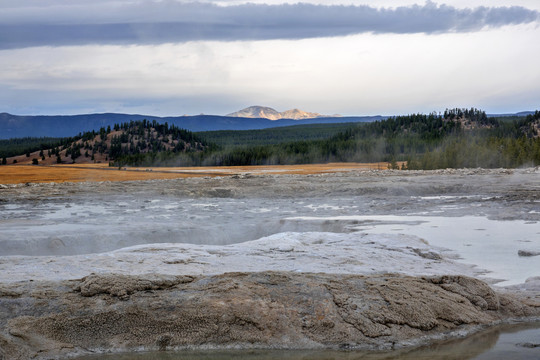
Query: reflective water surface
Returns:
{"type": "Point", "coordinates": [516, 342]}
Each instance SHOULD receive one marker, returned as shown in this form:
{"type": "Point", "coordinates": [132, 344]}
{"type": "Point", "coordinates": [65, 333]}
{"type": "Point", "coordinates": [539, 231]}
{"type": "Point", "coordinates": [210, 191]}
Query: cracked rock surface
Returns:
{"type": "Point", "coordinates": [50, 320]}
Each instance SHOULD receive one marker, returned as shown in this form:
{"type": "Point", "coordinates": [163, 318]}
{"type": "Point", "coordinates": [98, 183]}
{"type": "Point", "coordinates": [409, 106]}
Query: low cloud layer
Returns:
{"type": "Point", "coordinates": [175, 22]}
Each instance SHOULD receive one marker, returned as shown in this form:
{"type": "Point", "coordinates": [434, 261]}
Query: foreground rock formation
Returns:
{"type": "Point", "coordinates": [101, 313]}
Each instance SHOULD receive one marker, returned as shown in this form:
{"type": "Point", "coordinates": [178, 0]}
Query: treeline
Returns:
{"type": "Point", "coordinates": [231, 138]}
{"type": "Point", "coordinates": [19, 146]}
{"type": "Point", "coordinates": [453, 139]}
{"type": "Point", "coordinates": [472, 114]}
{"type": "Point", "coordinates": [474, 151]}
{"type": "Point", "coordinates": [507, 145]}
{"type": "Point", "coordinates": [425, 141]}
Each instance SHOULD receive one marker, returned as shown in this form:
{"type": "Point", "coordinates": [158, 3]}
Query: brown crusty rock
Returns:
{"type": "Point", "coordinates": [48, 320]}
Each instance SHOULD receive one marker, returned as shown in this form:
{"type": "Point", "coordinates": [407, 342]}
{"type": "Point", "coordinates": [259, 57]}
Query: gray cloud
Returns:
{"type": "Point", "coordinates": [171, 21]}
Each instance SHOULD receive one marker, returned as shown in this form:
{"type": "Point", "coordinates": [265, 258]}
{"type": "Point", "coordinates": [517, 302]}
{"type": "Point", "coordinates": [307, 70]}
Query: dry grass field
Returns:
{"type": "Point", "coordinates": [20, 174]}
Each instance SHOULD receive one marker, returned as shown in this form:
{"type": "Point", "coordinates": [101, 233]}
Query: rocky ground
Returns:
{"type": "Point", "coordinates": [379, 192]}
{"type": "Point", "coordinates": [244, 310]}
{"type": "Point", "coordinates": [296, 284]}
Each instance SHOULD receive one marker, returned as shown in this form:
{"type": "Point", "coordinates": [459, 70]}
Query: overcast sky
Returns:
{"type": "Point", "coordinates": [356, 57]}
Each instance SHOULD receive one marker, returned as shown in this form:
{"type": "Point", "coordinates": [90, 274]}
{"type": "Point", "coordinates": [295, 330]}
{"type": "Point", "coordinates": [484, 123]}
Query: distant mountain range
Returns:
{"type": "Point", "coordinates": [263, 112]}
{"type": "Point", "coordinates": [16, 126]}
{"type": "Point", "coordinates": [251, 118]}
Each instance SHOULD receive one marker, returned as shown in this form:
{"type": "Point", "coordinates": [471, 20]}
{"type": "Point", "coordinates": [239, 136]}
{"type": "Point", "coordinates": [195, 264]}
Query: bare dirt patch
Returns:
{"type": "Point", "coordinates": [20, 174]}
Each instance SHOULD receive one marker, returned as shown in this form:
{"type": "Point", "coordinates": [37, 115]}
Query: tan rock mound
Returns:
{"type": "Point", "coordinates": [47, 320]}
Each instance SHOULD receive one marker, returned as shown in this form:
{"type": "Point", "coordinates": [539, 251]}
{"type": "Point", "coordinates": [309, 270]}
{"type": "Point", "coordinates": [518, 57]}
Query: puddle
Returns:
{"type": "Point", "coordinates": [492, 245]}
{"type": "Point", "coordinates": [502, 342]}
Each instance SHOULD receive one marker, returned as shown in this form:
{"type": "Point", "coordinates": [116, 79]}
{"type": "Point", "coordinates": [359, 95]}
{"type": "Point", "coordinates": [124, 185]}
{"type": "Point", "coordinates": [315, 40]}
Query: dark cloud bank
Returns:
{"type": "Point", "coordinates": [203, 21]}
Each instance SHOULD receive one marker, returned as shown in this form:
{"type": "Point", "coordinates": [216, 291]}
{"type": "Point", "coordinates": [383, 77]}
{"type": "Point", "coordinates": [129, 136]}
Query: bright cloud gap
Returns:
{"type": "Point", "coordinates": [176, 22]}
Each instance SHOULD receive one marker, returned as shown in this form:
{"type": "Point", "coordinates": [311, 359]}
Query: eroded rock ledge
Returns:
{"type": "Point", "coordinates": [46, 320]}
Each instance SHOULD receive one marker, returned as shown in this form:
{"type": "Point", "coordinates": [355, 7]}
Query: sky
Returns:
{"type": "Point", "coordinates": [349, 57]}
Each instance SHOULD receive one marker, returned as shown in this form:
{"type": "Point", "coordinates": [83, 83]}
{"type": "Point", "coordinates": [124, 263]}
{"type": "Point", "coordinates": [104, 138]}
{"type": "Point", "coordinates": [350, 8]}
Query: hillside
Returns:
{"type": "Point", "coordinates": [277, 135]}
{"type": "Point", "coordinates": [128, 139]}
{"type": "Point", "coordinates": [226, 138]}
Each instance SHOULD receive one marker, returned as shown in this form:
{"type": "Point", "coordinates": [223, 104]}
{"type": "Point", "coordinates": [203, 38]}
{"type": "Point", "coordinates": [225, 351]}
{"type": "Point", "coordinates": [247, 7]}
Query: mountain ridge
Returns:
{"type": "Point", "coordinates": [16, 126]}
{"type": "Point", "coordinates": [266, 112]}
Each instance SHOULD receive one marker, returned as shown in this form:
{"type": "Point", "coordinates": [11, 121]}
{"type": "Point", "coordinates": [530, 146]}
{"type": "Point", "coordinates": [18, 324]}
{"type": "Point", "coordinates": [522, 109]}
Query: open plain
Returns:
{"type": "Point", "coordinates": [268, 257]}
{"type": "Point", "coordinates": [26, 173]}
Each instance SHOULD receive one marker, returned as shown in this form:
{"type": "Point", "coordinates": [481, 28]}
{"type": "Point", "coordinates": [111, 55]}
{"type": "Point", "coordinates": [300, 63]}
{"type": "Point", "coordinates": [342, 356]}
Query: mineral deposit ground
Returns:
{"type": "Point", "coordinates": [349, 259]}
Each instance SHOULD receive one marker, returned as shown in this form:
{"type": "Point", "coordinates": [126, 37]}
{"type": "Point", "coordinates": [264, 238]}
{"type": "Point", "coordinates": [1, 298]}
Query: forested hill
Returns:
{"type": "Point", "coordinates": [134, 138]}
{"type": "Point", "coordinates": [456, 139]}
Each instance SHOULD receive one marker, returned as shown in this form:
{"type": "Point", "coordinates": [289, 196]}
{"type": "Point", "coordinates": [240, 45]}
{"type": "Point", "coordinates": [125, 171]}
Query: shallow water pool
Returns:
{"type": "Point", "coordinates": [516, 342]}
{"type": "Point", "coordinates": [491, 245]}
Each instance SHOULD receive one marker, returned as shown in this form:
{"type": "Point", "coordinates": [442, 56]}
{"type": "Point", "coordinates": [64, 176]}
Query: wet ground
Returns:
{"type": "Point", "coordinates": [516, 342]}
{"type": "Point", "coordinates": [485, 216]}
